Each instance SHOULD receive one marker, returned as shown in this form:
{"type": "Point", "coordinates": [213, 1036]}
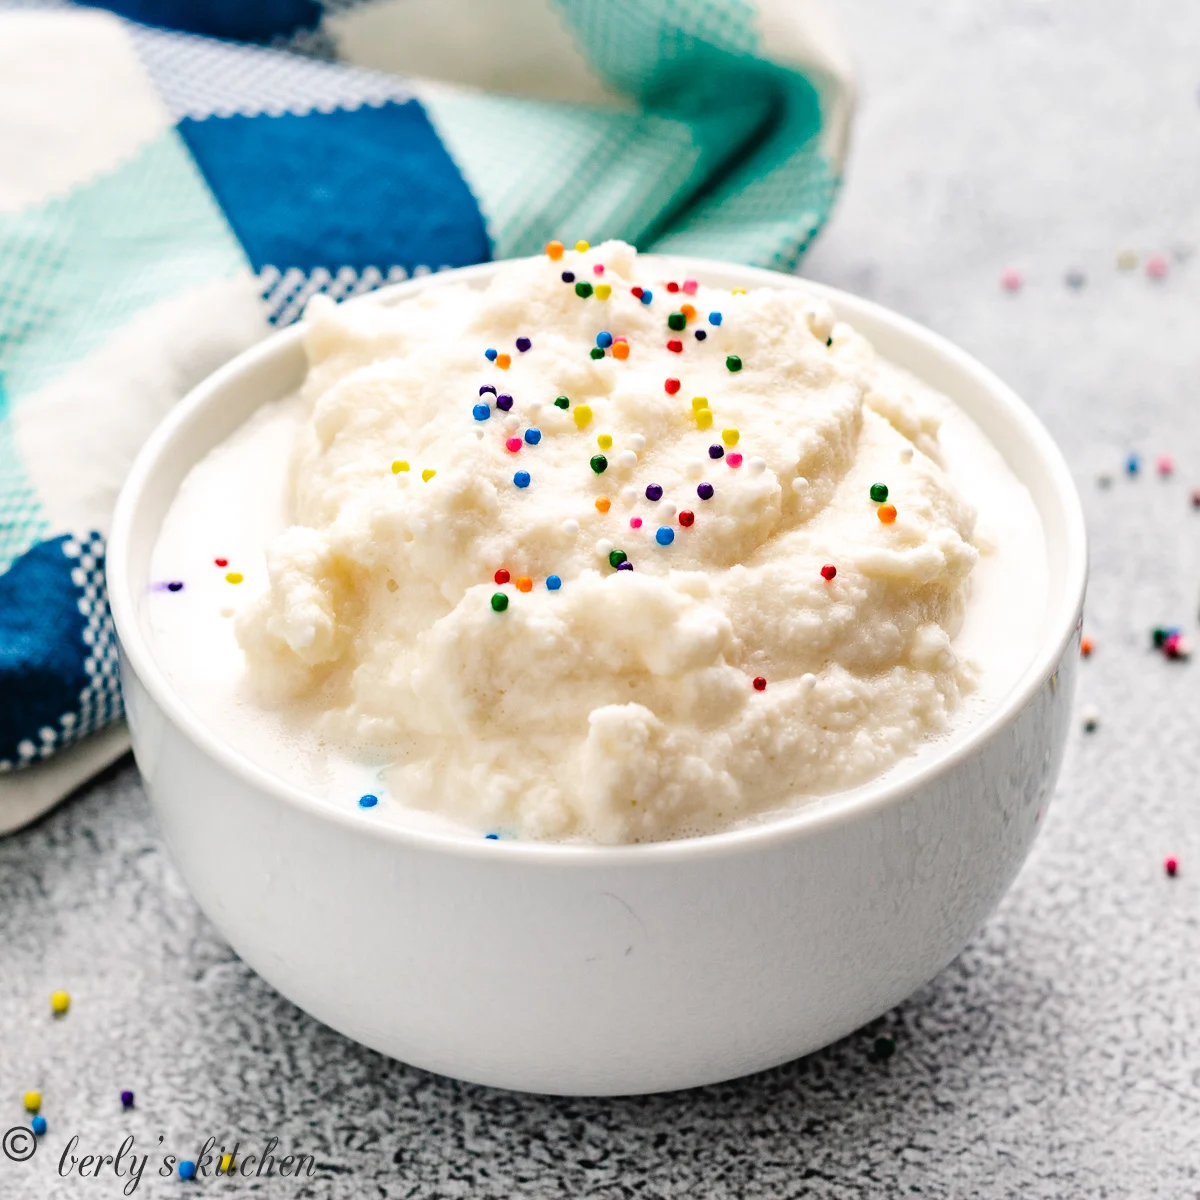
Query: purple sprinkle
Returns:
{"type": "Point", "coordinates": [700, 335]}
{"type": "Point", "coordinates": [653, 491]}
{"type": "Point", "coordinates": [175, 586]}
{"type": "Point", "coordinates": [126, 1099]}
{"type": "Point", "coordinates": [713, 451]}
{"type": "Point", "coordinates": [568, 277]}
{"type": "Point", "coordinates": [487, 387]}
{"type": "Point", "coordinates": [504, 401]}
{"type": "Point", "coordinates": [523, 344]}
{"type": "Point", "coordinates": [625, 566]}
{"type": "Point", "coordinates": [705, 491]}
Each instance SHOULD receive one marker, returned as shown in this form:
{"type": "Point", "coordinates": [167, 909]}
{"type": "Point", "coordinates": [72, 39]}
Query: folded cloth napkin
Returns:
{"type": "Point", "coordinates": [165, 198]}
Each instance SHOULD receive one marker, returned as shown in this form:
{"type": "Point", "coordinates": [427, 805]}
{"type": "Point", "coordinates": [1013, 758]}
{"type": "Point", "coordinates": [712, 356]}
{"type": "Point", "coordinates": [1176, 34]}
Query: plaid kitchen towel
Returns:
{"type": "Point", "coordinates": [177, 176]}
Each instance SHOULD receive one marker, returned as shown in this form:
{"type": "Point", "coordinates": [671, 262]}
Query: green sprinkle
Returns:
{"type": "Point", "coordinates": [597, 352]}
{"type": "Point", "coordinates": [599, 464]}
{"type": "Point", "coordinates": [879, 492]}
{"type": "Point", "coordinates": [885, 1047]}
{"type": "Point", "coordinates": [829, 341]}
{"type": "Point", "coordinates": [499, 602]}
{"type": "Point", "coordinates": [733, 362]}
{"type": "Point", "coordinates": [616, 558]}
{"type": "Point", "coordinates": [583, 289]}
{"type": "Point", "coordinates": [677, 321]}
{"type": "Point", "coordinates": [562, 402]}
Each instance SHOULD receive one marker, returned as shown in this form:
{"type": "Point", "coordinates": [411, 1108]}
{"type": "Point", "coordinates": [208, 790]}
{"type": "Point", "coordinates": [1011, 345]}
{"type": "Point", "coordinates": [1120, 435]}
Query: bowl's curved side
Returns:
{"type": "Point", "coordinates": [605, 975]}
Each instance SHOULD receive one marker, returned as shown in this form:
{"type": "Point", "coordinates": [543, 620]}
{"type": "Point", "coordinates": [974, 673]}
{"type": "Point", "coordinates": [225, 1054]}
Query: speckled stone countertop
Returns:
{"type": "Point", "coordinates": [1059, 1056]}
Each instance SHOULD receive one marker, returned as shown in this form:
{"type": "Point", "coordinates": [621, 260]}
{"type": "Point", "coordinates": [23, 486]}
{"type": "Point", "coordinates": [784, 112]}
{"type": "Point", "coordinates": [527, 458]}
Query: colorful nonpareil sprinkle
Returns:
{"type": "Point", "coordinates": [700, 335]}
{"type": "Point", "coordinates": [604, 441]}
{"type": "Point", "coordinates": [1165, 465]}
{"type": "Point", "coordinates": [603, 504]}
{"type": "Point", "coordinates": [760, 684]}
{"type": "Point", "coordinates": [604, 339]}
{"type": "Point", "coordinates": [598, 269]}
{"type": "Point", "coordinates": [532, 436]}
{"type": "Point", "coordinates": [554, 250]}
{"type": "Point", "coordinates": [513, 444]}
{"type": "Point", "coordinates": [603, 291]}
{"type": "Point", "coordinates": [620, 351]}
{"type": "Point", "coordinates": [568, 277]}
{"type": "Point", "coordinates": [38, 1126]}
{"type": "Point", "coordinates": [616, 558]}
{"type": "Point", "coordinates": [886, 513]}
{"type": "Point", "coordinates": [687, 518]}
{"type": "Point", "coordinates": [583, 415]}
{"type": "Point", "coordinates": [399, 466]}
{"type": "Point", "coordinates": [733, 362]}
{"type": "Point", "coordinates": [368, 801]}
{"type": "Point", "coordinates": [521, 479]}
{"type": "Point", "coordinates": [1156, 266]}
{"type": "Point", "coordinates": [32, 1101]}
{"type": "Point", "coordinates": [879, 492]}
{"type": "Point", "coordinates": [730, 436]}
{"type": "Point", "coordinates": [502, 576]}
{"type": "Point", "coordinates": [503, 361]}
{"type": "Point", "coordinates": [635, 522]}
{"type": "Point", "coordinates": [221, 562]}
{"type": "Point", "coordinates": [59, 1003]}
{"type": "Point", "coordinates": [598, 463]}
{"type": "Point", "coordinates": [553, 583]}
{"type": "Point", "coordinates": [562, 402]}
{"type": "Point", "coordinates": [704, 418]}
{"type": "Point", "coordinates": [234, 577]}
{"type": "Point", "coordinates": [716, 450]}
{"type": "Point", "coordinates": [672, 287]}
{"type": "Point", "coordinates": [664, 535]}
{"type": "Point", "coordinates": [1132, 465]}
{"type": "Point", "coordinates": [583, 289]}
{"type": "Point", "coordinates": [1171, 865]}
{"type": "Point", "coordinates": [523, 344]}
{"type": "Point", "coordinates": [481, 412]}
{"type": "Point", "coordinates": [675, 346]}
{"type": "Point", "coordinates": [428, 473]}
{"type": "Point", "coordinates": [704, 491]}
{"type": "Point", "coordinates": [486, 389]}
{"type": "Point", "coordinates": [187, 1169]}
{"type": "Point", "coordinates": [504, 402]}
{"type": "Point", "coordinates": [524, 583]}
{"type": "Point", "coordinates": [653, 491]}
{"type": "Point", "coordinates": [715, 318]}
{"type": "Point", "coordinates": [1086, 647]}
{"type": "Point", "coordinates": [646, 297]}
{"type": "Point", "coordinates": [596, 353]}
{"type": "Point", "coordinates": [676, 321]}
{"type": "Point", "coordinates": [1010, 279]}
{"type": "Point", "coordinates": [671, 386]}
{"type": "Point", "coordinates": [175, 585]}
{"type": "Point", "coordinates": [582, 247]}
{"type": "Point", "coordinates": [126, 1099]}
{"type": "Point", "coordinates": [828, 571]}
{"type": "Point", "coordinates": [1091, 719]}
{"type": "Point", "coordinates": [490, 354]}
{"type": "Point", "coordinates": [499, 602]}
{"type": "Point", "coordinates": [733, 460]}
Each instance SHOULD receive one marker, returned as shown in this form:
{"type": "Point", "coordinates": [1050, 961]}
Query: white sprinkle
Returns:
{"type": "Point", "coordinates": [799, 484]}
{"type": "Point", "coordinates": [629, 495]}
{"type": "Point", "coordinates": [511, 424]}
{"type": "Point", "coordinates": [570, 527]}
{"type": "Point", "coordinates": [604, 547]}
{"type": "Point", "coordinates": [627, 460]}
{"type": "Point", "coordinates": [808, 681]}
{"type": "Point", "coordinates": [479, 433]}
{"type": "Point", "coordinates": [1091, 718]}
{"type": "Point", "coordinates": [695, 468]}
{"type": "Point", "coordinates": [906, 454]}
{"type": "Point", "coordinates": [637, 442]}
{"type": "Point", "coordinates": [756, 466]}
{"type": "Point", "coordinates": [668, 509]}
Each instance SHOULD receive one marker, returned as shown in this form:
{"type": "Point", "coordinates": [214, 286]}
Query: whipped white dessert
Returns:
{"type": "Point", "coordinates": [612, 557]}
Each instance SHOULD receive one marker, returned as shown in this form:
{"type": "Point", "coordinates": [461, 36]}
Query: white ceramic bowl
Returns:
{"type": "Point", "coordinates": [598, 970]}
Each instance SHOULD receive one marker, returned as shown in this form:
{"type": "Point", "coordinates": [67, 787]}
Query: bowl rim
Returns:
{"type": "Point", "coordinates": [823, 815]}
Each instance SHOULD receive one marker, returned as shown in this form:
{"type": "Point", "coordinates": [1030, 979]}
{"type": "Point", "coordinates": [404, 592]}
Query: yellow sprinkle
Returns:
{"type": "Point", "coordinates": [582, 247]}
{"type": "Point", "coordinates": [234, 577]}
{"type": "Point", "coordinates": [604, 441]}
{"type": "Point", "coordinates": [738, 292]}
{"type": "Point", "coordinates": [226, 1163]}
{"type": "Point", "coordinates": [33, 1101]}
{"type": "Point", "coordinates": [603, 291]}
{"type": "Point", "coordinates": [703, 418]}
{"type": "Point", "coordinates": [583, 415]}
{"type": "Point", "coordinates": [699, 402]}
{"type": "Point", "coordinates": [60, 1002]}
{"type": "Point", "coordinates": [729, 437]}
{"type": "Point", "coordinates": [428, 474]}
{"type": "Point", "coordinates": [503, 361]}
{"type": "Point", "coordinates": [398, 466]}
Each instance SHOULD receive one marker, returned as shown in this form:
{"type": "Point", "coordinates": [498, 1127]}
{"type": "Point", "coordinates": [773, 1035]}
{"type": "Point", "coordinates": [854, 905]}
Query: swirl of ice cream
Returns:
{"type": "Point", "coordinates": [613, 556]}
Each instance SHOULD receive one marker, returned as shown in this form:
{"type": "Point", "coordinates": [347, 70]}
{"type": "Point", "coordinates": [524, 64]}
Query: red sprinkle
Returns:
{"type": "Point", "coordinates": [672, 386]}
{"type": "Point", "coordinates": [828, 571]}
{"type": "Point", "coordinates": [1196, 498]}
{"type": "Point", "coordinates": [675, 346]}
{"type": "Point", "coordinates": [672, 287]}
{"type": "Point", "coordinates": [760, 684]}
{"type": "Point", "coordinates": [1172, 865]}
{"type": "Point", "coordinates": [636, 291]}
{"type": "Point", "coordinates": [513, 444]}
{"type": "Point", "coordinates": [502, 576]}
{"type": "Point", "coordinates": [686, 518]}
{"type": "Point", "coordinates": [221, 562]}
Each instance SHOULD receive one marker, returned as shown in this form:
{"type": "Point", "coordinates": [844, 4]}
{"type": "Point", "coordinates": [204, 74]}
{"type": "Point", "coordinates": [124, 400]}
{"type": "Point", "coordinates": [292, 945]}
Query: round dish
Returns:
{"type": "Point", "coordinates": [605, 970]}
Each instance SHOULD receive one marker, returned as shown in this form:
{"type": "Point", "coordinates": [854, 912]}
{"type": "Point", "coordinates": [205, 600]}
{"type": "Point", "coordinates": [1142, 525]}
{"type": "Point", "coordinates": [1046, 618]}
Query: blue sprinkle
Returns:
{"type": "Point", "coordinates": [1132, 463]}
{"type": "Point", "coordinates": [553, 582]}
{"type": "Point", "coordinates": [647, 296]}
{"type": "Point", "coordinates": [38, 1125]}
{"type": "Point", "coordinates": [714, 318]}
{"type": "Point", "coordinates": [604, 339]}
{"type": "Point", "coordinates": [481, 412]}
{"type": "Point", "coordinates": [490, 355]}
{"type": "Point", "coordinates": [187, 1169]}
{"type": "Point", "coordinates": [367, 801]}
{"type": "Point", "coordinates": [521, 479]}
{"type": "Point", "coordinates": [665, 535]}
{"type": "Point", "coordinates": [533, 436]}
{"type": "Point", "coordinates": [492, 837]}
